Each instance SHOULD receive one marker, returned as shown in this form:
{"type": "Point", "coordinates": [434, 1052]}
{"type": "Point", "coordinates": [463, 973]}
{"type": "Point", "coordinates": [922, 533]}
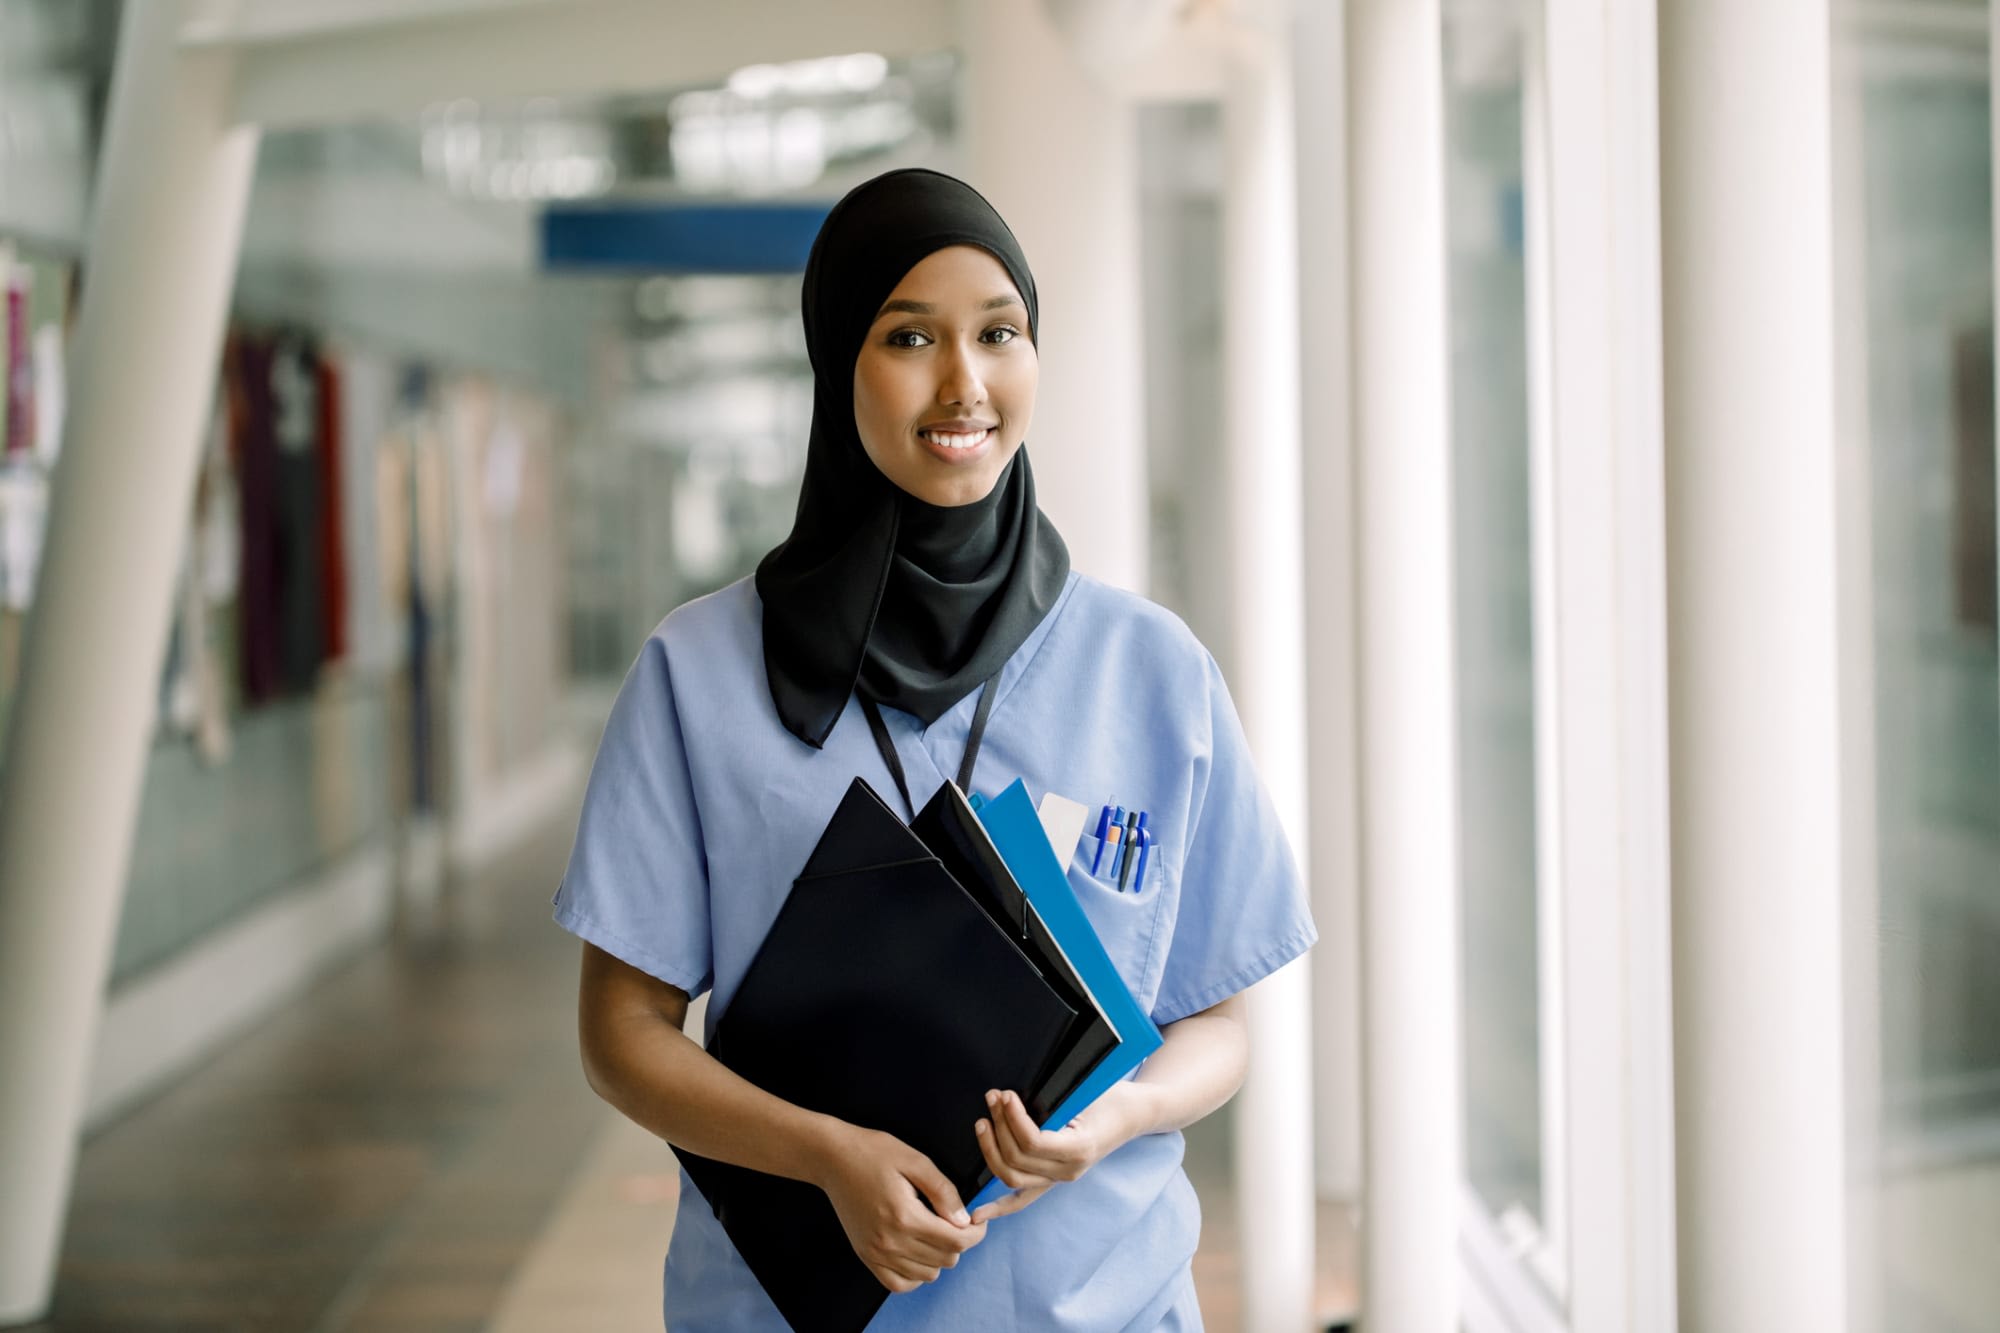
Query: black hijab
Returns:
{"type": "Point", "coordinates": [915, 604]}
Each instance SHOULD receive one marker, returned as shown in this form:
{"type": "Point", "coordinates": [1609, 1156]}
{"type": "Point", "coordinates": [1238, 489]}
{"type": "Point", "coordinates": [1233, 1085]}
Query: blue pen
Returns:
{"type": "Point", "coordinates": [1103, 822]}
{"type": "Point", "coordinates": [1145, 852]}
{"type": "Point", "coordinates": [1128, 858]}
{"type": "Point", "coordinates": [1129, 818]}
{"type": "Point", "coordinates": [1116, 832]}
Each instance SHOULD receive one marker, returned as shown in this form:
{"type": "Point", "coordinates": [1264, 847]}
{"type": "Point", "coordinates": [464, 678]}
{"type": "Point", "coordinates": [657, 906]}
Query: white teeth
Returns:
{"type": "Point", "coordinates": [951, 441]}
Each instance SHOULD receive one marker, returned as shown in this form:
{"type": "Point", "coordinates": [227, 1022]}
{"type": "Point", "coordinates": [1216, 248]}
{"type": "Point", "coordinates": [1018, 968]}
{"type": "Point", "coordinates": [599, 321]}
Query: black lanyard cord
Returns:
{"type": "Point", "coordinates": [895, 762]}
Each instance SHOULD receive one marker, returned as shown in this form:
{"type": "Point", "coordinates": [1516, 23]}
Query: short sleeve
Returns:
{"type": "Point", "coordinates": [1242, 911]}
{"type": "Point", "coordinates": [637, 884]}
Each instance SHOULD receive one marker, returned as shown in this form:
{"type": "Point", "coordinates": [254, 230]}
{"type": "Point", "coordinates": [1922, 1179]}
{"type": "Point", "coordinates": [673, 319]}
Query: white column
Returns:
{"type": "Point", "coordinates": [1409, 809]}
{"type": "Point", "coordinates": [1056, 152]}
{"type": "Point", "coordinates": [1260, 315]}
{"type": "Point", "coordinates": [1327, 478]}
{"type": "Point", "coordinates": [1601, 656]}
{"type": "Point", "coordinates": [1746, 134]}
{"type": "Point", "coordinates": [168, 213]}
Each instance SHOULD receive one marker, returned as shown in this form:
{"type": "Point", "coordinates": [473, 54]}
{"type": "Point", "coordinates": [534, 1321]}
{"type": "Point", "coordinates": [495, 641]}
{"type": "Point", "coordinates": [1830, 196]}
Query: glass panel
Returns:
{"type": "Point", "coordinates": [1926, 150]}
{"type": "Point", "coordinates": [1496, 724]}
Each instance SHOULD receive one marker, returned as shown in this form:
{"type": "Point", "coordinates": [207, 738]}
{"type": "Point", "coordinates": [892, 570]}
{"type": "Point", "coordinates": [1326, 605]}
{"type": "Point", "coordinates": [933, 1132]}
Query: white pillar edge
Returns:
{"type": "Point", "coordinates": [1406, 698]}
{"type": "Point", "coordinates": [1272, 1140]}
{"type": "Point", "coordinates": [1557, 694]}
{"type": "Point", "coordinates": [1631, 57]}
{"type": "Point", "coordinates": [1598, 260]}
{"type": "Point", "coordinates": [1861, 928]}
{"type": "Point", "coordinates": [1327, 482]}
{"type": "Point", "coordinates": [1759, 845]}
{"type": "Point", "coordinates": [173, 183]}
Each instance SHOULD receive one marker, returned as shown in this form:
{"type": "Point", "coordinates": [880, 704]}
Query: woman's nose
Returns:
{"type": "Point", "coordinates": [960, 382]}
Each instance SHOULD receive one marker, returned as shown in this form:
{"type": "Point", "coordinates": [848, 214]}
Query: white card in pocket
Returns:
{"type": "Point", "coordinates": [1063, 821]}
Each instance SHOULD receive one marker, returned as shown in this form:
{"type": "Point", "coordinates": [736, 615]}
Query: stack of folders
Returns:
{"type": "Point", "coordinates": [912, 968]}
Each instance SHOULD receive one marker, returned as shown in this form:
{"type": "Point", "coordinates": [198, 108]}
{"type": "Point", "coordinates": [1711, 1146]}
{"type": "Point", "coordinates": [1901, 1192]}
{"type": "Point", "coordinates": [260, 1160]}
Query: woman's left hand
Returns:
{"type": "Point", "coordinates": [1029, 1160]}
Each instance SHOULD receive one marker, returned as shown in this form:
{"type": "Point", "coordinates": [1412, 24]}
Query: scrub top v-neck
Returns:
{"type": "Point", "coordinates": [701, 808]}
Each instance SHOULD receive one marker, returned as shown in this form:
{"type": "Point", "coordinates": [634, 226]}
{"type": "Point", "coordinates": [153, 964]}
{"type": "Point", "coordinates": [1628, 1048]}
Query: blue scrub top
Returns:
{"type": "Point", "coordinates": [701, 809]}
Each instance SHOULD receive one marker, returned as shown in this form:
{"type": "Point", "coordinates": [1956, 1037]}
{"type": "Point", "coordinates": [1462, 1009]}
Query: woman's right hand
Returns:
{"type": "Point", "coordinates": [878, 1185]}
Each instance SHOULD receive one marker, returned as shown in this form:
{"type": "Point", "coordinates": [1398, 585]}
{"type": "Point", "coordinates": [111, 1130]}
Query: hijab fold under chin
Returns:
{"type": "Point", "coordinates": [915, 604]}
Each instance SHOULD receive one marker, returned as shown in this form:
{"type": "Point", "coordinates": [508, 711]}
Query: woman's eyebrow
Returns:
{"type": "Point", "coordinates": [926, 308]}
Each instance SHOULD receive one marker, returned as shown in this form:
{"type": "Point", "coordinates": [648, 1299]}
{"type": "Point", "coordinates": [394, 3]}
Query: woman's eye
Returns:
{"type": "Point", "coordinates": [998, 336]}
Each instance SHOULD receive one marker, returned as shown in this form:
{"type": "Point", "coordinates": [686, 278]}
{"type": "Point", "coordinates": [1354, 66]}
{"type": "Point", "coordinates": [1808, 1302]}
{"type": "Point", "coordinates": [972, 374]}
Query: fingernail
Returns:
{"type": "Point", "coordinates": [981, 1127]}
{"type": "Point", "coordinates": [961, 1218]}
{"type": "Point", "coordinates": [991, 1097]}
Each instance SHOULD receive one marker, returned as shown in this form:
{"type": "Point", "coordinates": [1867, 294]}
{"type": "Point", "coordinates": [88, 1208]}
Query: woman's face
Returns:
{"type": "Point", "coordinates": [945, 383]}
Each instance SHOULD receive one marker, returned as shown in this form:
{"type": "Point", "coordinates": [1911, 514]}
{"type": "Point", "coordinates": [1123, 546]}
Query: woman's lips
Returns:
{"type": "Point", "coordinates": [958, 445]}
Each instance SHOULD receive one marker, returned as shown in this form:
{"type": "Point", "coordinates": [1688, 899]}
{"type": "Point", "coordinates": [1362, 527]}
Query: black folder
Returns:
{"type": "Point", "coordinates": [949, 827]}
{"type": "Point", "coordinates": [886, 995]}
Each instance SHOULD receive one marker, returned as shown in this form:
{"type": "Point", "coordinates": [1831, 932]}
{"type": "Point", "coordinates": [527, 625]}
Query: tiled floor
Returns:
{"type": "Point", "coordinates": [411, 1146]}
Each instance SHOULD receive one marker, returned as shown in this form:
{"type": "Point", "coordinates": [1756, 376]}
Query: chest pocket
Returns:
{"type": "Point", "coordinates": [1127, 922]}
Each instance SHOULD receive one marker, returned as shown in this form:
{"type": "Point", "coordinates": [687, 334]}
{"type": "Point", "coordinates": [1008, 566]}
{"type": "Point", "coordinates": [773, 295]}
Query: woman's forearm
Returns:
{"type": "Point", "coordinates": [1198, 1068]}
{"type": "Point", "coordinates": [662, 1080]}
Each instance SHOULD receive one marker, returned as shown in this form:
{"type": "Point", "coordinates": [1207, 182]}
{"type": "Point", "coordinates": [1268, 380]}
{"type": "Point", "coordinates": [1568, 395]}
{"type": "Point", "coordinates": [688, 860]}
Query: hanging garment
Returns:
{"type": "Point", "coordinates": [332, 503]}
{"type": "Point", "coordinates": [254, 444]}
{"type": "Point", "coordinates": [296, 469]}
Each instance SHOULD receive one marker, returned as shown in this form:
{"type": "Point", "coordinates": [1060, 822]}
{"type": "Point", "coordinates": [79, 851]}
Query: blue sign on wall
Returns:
{"type": "Point", "coordinates": [680, 237]}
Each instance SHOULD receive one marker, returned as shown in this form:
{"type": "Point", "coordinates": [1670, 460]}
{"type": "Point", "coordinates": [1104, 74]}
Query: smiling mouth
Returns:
{"type": "Point", "coordinates": [957, 439]}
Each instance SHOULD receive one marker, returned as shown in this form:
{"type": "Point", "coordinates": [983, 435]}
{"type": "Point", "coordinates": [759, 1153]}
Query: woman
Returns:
{"type": "Point", "coordinates": [922, 621]}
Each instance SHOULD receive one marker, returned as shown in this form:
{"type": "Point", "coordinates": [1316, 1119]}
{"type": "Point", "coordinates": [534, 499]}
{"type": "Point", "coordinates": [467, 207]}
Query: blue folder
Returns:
{"type": "Point", "coordinates": [1010, 820]}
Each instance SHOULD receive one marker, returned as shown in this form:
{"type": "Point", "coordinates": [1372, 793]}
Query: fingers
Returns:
{"type": "Point", "coordinates": [1016, 1169]}
{"type": "Point", "coordinates": [1063, 1155]}
{"type": "Point", "coordinates": [901, 1278]}
{"type": "Point", "coordinates": [1015, 1112]}
{"type": "Point", "coordinates": [913, 1258]}
{"type": "Point", "coordinates": [881, 1202]}
{"type": "Point", "coordinates": [926, 1252]}
{"type": "Point", "coordinates": [1028, 1152]}
{"type": "Point", "coordinates": [911, 1270]}
{"type": "Point", "coordinates": [934, 1185]}
{"type": "Point", "coordinates": [1006, 1142]}
{"type": "Point", "coordinates": [937, 1240]}
{"type": "Point", "coordinates": [929, 1240]}
{"type": "Point", "coordinates": [1002, 1159]}
{"type": "Point", "coordinates": [1009, 1204]}
{"type": "Point", "coordinates": [905, 1260]}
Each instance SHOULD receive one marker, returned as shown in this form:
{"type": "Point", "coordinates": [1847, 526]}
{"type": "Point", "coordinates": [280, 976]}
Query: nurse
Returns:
{"type": "Point", "coordinates": [922, 623]}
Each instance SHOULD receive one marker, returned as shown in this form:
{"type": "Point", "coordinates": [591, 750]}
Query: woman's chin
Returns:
{"type": "Point", "coordinates": [951, 483]}
{"type": "Point", "coordinates": [954, 493]}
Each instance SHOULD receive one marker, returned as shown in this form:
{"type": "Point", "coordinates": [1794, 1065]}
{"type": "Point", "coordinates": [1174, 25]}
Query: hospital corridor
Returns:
{"type": "Point", "coordinates": [1379, 618]}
